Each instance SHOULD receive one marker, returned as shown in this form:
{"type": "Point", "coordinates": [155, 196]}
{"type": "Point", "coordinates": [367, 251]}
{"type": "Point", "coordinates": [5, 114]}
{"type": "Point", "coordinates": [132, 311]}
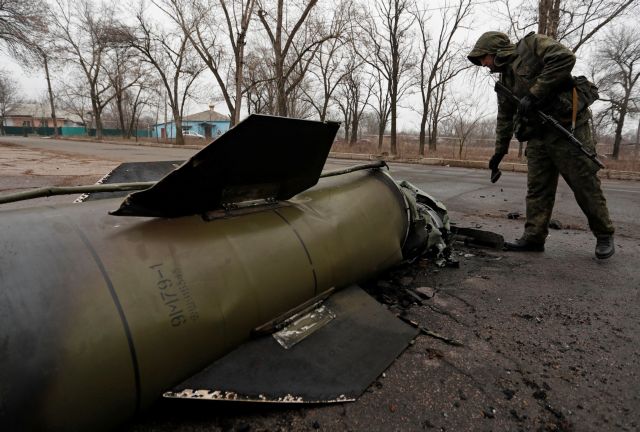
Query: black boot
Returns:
{"type": "Point", "coordinates": [604, 246]}
{"type": "Point", "coordinates": [523, 245]}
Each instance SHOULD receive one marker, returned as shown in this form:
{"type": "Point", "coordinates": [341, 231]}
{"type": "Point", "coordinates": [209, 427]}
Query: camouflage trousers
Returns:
{"type": "Point", "coordinates": [549, 155]}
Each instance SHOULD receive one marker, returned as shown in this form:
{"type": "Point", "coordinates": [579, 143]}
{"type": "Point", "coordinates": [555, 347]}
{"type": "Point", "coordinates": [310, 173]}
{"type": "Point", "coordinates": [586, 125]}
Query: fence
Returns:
{"type": "Point", "coordinates": [67, 131]}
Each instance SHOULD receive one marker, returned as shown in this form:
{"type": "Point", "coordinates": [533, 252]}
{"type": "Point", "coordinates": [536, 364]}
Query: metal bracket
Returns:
{"type": "Point", "coordinates": [233, 209]}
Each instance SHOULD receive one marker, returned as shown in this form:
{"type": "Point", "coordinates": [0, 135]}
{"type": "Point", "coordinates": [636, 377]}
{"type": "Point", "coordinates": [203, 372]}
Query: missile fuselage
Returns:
{"type": "Point", "coordinates": [100, 314]}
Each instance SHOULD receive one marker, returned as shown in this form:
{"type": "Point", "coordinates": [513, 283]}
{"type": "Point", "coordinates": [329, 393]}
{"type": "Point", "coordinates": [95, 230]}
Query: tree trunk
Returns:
{"type": "Point", "coordinates": [235, 113]}
{"type": "Point", "coordinates": [279, 66]}
{"type": "Point", "coordinates": [347, 125]}
{"type": "Point", "coordinates": [177, 120]}
{"type": "Point", "coordinates": [433, 137]}
{"type": "Point", "coordinates": [96, 115]}
{"type": "Point", "coordinates": [392, 141]}
{"type": "Point", "coordinates": [50, 90]}
{"type": "Point", "coordinates": [355, 125]}
{"type": "Point", "coordinates": [549, 17]}
{"type": "Point", "coordinates": [123, 130]}
{"type": "Point", "coordinates": [381, 126]}
{"type": "Point", "coordinates": [618, 136]}
{"type": "Point", "coordinates": [423, 135]}
{"type": "Point", "coordinates": [637, 146]}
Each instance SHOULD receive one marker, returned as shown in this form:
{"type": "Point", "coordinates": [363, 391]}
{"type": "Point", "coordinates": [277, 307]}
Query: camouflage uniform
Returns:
{"type": "Point", "coordinates": [541, 66]}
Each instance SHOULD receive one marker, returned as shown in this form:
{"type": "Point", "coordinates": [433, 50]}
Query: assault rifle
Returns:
{"type": "Point", "coordinates": [501, 88]}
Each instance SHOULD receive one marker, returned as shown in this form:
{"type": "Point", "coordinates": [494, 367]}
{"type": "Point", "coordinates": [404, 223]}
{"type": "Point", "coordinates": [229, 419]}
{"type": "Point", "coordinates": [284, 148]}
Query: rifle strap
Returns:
{"type": "Point", "coordinates": [574, 112]}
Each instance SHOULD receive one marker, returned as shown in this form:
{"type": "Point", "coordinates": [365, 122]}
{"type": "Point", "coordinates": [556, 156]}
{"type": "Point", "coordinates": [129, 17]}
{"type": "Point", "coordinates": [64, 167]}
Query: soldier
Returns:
{"type": "Point", "coordinates": [537, 69]}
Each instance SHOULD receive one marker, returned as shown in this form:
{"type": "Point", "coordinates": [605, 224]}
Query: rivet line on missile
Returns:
{"type": "Point", "coordinates": [118, 305]}
{"type": "Point", "coordinates": [304, 246]}
{"type": "Point", "coordinates": [119, 187]}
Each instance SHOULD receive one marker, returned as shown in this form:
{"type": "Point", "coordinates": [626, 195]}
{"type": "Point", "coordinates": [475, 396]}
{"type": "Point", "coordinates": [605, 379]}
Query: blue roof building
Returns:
{"type": "Point", "coordinates": [210, 124]}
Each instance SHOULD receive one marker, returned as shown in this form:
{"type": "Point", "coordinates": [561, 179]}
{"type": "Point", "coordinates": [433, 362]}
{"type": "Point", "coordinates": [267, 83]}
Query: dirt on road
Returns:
{"type": "Point", "coordinates": [548, 341]}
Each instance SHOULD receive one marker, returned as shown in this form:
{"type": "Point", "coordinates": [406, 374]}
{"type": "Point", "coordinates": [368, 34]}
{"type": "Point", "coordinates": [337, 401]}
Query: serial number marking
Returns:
{"type": "Point", "coordinates": [175, 295]}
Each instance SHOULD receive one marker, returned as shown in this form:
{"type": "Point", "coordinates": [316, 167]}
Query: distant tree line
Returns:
{"type": "Point", "coordinates": [359, 62]}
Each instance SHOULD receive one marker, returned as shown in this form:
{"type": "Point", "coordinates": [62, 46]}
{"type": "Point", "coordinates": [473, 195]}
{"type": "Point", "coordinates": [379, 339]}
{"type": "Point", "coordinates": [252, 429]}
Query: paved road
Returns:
{"type": "Point", "coordinates": [116, 152]}
{"type": "Point", "coordinates": [550, 339]}
{"type": "Point", "coordinates": [466, 191]}
{"type": "Point", "coordinates": [470, 192]}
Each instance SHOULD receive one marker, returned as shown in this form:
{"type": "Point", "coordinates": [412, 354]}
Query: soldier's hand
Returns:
{"type": "Point", "coordinates": [527, 105]}
{"type": "Point", "coordinates": [495, 161]}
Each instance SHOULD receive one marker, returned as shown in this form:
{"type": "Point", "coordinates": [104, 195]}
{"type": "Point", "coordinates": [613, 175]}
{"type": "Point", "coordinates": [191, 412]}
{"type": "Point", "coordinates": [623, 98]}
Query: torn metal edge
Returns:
{"type": "Point", "coordinates": [220, 395]}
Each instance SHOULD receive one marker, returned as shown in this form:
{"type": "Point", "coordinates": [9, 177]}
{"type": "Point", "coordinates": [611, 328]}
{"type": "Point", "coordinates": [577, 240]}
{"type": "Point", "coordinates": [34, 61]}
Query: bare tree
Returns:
{"type": "Point", "coordinates": [465, 119]}
{"type": "Point", "coordinates": [389, 51]}
{"type": "Point", "coordinates": [381, 104]}
{"type": "Point", "coordinates": [260, 91]}
{"type": "Point", "coordinates": [128, 78]}
{"type": "Point", "coordinates": [35, 52]}
{"type": "Point", "coordinates": [9, 97]}
{"type": "Point", "coordinates": [170, 55]}
{"type": "Point", "coordinates": [293, 46]}
{"type": "Point", "coordinates": [136, 99]}
{"type": "Point", "coordinates": [224, 56]}
{"type": "Point", "coordinates": [352, 98]}
{"type": "Point", "coordinates": [39, 49]}
{"type": "Point", "coordinates": [24, 28]}
{"type": "Point", "coordinates": [575, 22]}
{"type": "Point", "coordinates": [329, 71]}
{"type": "Point", "coordinates": [344, 106]}
{"type": "Point", "coordinates": [355, 93]}
{"type": "Point", "coordinates": [18, 19]}
{"type": "Point", "coordinates": [439, 64]}
{"type": "Point", "coordinates": [73, 97]}
{"type": "Point", "coordinates": [85, 33]}
{"type": "Point", "coordinates": [620, 55]}
{"type": "Point", "coordinates": [437, 114]}
{"type": "Point", "coordinates": [298, 105]}
{"type": "Point", "coordinates": [521, 16]}
{"type": "Point", "coordinates": [44, 58]}
{"type": "Point", "coordinates": [331, 65]}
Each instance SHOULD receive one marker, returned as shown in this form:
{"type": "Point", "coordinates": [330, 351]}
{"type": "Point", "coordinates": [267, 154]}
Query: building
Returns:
{"type": "Point", "coordinates": [37, 115]}
{"type": "Point", "coordinates": [209, 124]}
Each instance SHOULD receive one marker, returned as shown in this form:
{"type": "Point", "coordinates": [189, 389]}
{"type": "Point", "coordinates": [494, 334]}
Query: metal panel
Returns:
{"type": "Point", "coordinates": [286, 157]}
{"type": "Point", "coordinates": [132, 172]}
{"type": "Point", "coordinates": [335, 364]}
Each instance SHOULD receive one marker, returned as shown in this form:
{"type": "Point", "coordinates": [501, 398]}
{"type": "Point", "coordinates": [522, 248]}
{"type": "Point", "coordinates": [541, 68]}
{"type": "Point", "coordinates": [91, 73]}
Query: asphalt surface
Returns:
{"type": "Point", "coordinates": [550, 341]}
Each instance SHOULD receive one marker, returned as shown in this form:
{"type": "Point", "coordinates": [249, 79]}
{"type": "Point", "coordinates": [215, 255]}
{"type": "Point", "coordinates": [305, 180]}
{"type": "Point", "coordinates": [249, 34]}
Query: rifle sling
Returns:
{"type": "Point", "coordinates": [574, 112]}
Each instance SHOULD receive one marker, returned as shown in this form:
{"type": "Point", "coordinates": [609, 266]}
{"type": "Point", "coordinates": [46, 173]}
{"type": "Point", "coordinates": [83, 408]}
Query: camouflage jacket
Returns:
{"type": "Point", "coordinates": [540, 66]}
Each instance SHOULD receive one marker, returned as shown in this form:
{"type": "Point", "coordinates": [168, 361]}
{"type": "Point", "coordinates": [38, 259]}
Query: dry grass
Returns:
{"type": "Point", "coordinates": [479, 150]}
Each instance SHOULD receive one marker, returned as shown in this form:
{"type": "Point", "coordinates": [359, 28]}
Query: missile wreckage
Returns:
{"type": "Point", "coordinates": [230, 278]}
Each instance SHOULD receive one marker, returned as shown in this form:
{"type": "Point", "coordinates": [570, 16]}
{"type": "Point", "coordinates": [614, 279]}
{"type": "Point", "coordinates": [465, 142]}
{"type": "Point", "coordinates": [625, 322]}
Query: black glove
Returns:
{"type": "Point", "coordinates": [495, 161]}
{"type": "Point", "coordinates": [527, 105]}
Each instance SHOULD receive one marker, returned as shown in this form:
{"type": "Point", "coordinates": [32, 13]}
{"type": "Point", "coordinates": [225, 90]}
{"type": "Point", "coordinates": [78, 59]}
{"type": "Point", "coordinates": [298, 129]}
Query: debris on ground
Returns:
{"type": "Point", "coordinates": [425, 292]}
{"type": "Point", "coordinates": [555, 224]}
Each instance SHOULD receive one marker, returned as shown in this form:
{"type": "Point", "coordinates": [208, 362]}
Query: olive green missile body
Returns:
{"type": "Point", "coordinates": [101, 314]}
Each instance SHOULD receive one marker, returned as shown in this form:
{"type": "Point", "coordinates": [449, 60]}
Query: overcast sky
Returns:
{"type": "Point", "coordinates": [486, 16]}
